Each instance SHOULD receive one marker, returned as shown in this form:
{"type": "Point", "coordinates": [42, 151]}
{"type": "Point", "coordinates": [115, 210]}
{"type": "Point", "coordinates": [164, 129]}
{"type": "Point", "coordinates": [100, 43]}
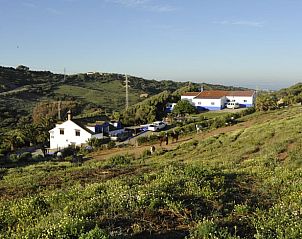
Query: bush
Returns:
{"type": "Point", "coordinates": [120, 160]}
{"type": "Point", "coordinates": [37, 157]}
{"type": "Point", "coordinates": [111, 145]}
{"type": "Point", "coordinates": [147, 139]}
{"type": "Point", "coordinates": [189, 128]}
{"type": "Point", "coordinates": [208, 229]}
{"type": "Point", "coordinates": [14, 158]}
{"type": "Point", "coordinates": [218, 122]}
{"type": "Point", "coordinates": [146, 153]}
{"type": "Point", "coordinates": [26, 156]}
{"type": "Point", "coordinates": [247, 111]}
{"type": "Point", "coordinates": [3, 151]}
{"type": "Point", "coordinates": [95, 142]}
{"type": "Point", "coordinates": [67, 152]}
{"type": "Point", "coordinates": [96, 233]}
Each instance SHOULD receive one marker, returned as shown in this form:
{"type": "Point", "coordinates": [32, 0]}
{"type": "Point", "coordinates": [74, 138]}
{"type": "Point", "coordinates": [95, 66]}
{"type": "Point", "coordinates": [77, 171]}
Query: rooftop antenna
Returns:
{"type": "Point", "coordinates": [127, 91]}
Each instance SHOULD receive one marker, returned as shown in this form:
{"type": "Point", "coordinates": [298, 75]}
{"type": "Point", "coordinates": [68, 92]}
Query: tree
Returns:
{"type": "Point", "coordinates": [183, 107]}
{"type": "Point", "coordinates": [22, 68]}
{"type": "Point", "coordinates": [116, 115]}
{"type": "Point", "coordinates": [14, 139]}
{"type": "Point", "coordinates": [266, 102]}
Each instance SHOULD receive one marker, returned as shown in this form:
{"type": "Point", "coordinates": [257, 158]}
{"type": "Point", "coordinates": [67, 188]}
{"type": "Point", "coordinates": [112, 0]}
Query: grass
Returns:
{"type": "Point", "coordinates": [245, 183]}
{"type": "Point", "coordinates": [98, 92]}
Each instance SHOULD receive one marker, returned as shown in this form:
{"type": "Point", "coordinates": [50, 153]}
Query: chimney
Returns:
{"type": "Point", "coordinates": [69, 115]}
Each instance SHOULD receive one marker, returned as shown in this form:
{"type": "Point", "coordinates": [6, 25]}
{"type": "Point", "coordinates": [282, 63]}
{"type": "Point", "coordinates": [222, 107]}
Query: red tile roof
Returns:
{"type": "Point", "coordinates": [217, 94]}
{"type": "Point", "coordinates": [243, 93]}
{"type": "Point", "coordinates": [191, 94]}
{"type": "Point", "coordinates": [211, 94]}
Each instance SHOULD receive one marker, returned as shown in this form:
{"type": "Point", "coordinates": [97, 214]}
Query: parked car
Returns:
{"type": "Point", "coordinates": [156, 126]}
{"type": "Point", "coordinates": [232, 105]}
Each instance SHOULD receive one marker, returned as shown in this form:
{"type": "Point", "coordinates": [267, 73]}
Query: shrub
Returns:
{"type": "Point", "coordinates": [146, 153]}
{"type": "Point", "coordinates": [26, 156]}
{"type": "Point", "coordinates": [96, 233]}
{"type": "Point", "coordinates": [208, 229]}
{"type": "Point", "coordinates": [37, 157]}
{"type": "Point", "coordinates": [147, 139]}
{"type": "Point", "coordinates": [247, 111]}
{"type": "Point", "coordinates": [189, 128]}
{"type": "Point", "coordinates": [13, 158]}
{"type": "Point", "coordinates": [218, 122]}
{"type": "Point", "coordinates": [95, 142]}
{"type": "Point", "coordinates": [120, 160]}
{"type": "Point", "coordinates": [3, 151]}
{"type": "Point", "coordinates": [142, 140]}
{"type": "Point", "coordinates": [111, 145]}
{"type": "Point", "coordinates": [67, 151]}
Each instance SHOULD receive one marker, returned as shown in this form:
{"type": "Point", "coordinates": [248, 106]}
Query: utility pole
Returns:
{"type": "Point", "coordinates": [64, 74]}
{"type": "Point", "coordinates": [127, 92]}
{"type": "Point", "coordinates": [201, 87]}
{"type": "Point", "coordinates": [59, 110]}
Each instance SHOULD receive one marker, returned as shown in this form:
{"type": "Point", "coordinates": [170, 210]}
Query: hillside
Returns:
{"type": "Point", "coordinates": [242, 181]}
{"type": "Point", "coordinates": [21, 90]}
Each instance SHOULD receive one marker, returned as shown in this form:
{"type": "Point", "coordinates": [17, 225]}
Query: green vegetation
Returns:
{"type": "Point", "coordinates": [245, 183]}
{"type": "Point", "coordinates": [183, 107]}
{"type": "Point", "coordinates": [22, 89]}
{"type": "Point", "coordinates": [284, 97]}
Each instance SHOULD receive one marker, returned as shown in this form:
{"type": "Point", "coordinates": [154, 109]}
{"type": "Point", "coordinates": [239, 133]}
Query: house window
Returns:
{"type": "Point", "coordinates": [212, 103]}
{"type": "Point", "coordinates": [61, 131]}
{"type": "Point", "coordinates": [199, 103]}
{"type": "Point", "coordinates": [77, 132]}
{"type": "Point", "coordinates": [244, 100]}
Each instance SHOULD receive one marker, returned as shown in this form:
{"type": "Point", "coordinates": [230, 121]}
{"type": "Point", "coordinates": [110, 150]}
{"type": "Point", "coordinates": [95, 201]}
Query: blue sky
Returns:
{"type": "Point", "coordinates": [253, 43]}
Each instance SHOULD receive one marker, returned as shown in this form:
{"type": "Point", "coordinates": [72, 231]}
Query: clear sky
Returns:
{"type": "Point", "coordinates": [253, 43]}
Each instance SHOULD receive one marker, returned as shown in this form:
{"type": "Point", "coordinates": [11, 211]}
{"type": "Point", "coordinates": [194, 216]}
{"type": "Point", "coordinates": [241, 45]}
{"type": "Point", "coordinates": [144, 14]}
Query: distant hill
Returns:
{"type": "Point", "coordinates": [21, 89]}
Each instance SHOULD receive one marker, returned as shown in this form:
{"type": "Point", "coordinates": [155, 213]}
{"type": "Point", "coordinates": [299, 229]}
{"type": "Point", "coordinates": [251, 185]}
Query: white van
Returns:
{"type": "Point", "coordinates": [232, 105]}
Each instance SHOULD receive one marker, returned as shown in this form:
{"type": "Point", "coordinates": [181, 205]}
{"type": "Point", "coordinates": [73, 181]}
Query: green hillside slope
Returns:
{"type": "Point", "coordinates": [242, 181]}
{"type": "Point", "coordinates": [21, 90]}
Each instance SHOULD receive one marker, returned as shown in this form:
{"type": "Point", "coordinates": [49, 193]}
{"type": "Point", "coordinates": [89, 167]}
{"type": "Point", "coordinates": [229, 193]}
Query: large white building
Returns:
{"type": "Point", "coordinates": [71, 133]}
{"type": "Point", "coordinates": [217, 99]}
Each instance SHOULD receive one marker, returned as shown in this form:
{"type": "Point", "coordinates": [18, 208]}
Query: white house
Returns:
{"type": "Point", "coordinates": [217, 99]}
{"type": "Point", "coordinates": [71, 132]}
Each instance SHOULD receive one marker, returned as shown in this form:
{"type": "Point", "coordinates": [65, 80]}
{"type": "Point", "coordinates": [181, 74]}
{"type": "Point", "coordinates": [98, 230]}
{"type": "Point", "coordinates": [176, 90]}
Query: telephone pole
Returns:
{"type": "Point", "coordinates": [127, 91]}
{"type": "Point", "coordinates": [59, 110]}
{"type": "Point", "coordinates": [64, 74]}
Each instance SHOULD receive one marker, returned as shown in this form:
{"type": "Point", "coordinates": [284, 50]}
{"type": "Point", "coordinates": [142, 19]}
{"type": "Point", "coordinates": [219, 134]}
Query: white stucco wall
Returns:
{"type": "Point", "coordinates": [242, 100]}
{"type": "Point", "coordinates": [214, 104]}
{"type": "Point", "coordinates": [58, 140]}
{"type": "Point", "coordinates": [189, 98]}
{"type": "Point", "coordinates": [91, 128]}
